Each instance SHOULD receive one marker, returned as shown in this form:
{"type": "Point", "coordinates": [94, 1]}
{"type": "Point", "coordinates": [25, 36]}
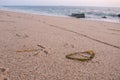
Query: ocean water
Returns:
{"type": "Point", "coordinates": [91, 13]}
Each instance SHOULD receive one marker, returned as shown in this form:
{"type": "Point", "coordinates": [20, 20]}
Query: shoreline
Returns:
{"type": "Point", "coordinates": [34, 47]}
{"type": "Point", "coordinates": [47, 14]}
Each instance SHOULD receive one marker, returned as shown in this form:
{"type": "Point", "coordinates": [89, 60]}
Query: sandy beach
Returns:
{"type": "Point", "coordinates": [33, 47]}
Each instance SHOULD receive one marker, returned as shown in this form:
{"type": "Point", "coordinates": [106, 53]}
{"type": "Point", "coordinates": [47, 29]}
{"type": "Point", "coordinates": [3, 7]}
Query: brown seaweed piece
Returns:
{"type": "Point", "coordinates": [85, 58]}
{"type": "Point", "coordinates": [27, 50]}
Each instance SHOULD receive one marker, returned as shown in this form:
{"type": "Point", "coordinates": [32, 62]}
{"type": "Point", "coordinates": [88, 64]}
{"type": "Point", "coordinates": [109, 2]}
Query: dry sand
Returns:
{"type": "Point", "coordinates": [33, 47]}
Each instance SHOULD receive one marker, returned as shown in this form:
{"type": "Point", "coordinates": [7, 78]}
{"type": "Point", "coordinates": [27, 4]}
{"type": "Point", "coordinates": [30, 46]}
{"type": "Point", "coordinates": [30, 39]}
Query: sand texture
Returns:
{"type": "Point", "coordinates": [33, 47]}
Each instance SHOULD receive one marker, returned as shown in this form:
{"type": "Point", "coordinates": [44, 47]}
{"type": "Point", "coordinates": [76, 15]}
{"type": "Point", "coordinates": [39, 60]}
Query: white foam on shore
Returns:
{"type": "Point", "coordinates": [106, 20]}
